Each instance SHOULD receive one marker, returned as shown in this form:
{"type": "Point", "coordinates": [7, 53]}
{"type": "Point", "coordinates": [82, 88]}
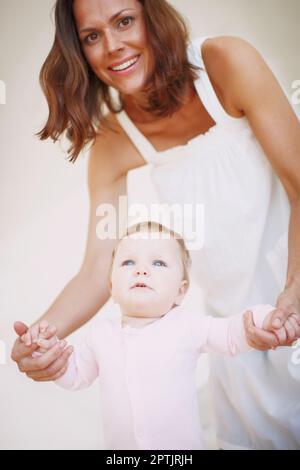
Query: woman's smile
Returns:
{"type": "Point", "coordinates": [125, 68]}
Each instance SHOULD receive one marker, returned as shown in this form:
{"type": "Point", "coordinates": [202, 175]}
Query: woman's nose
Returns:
{"type": "Point", "coordinates": [112, 41]}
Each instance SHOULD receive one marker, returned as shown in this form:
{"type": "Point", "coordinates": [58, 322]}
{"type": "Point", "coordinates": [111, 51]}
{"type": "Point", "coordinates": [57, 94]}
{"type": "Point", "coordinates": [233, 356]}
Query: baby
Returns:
{"type": "Point", "coordinates": [146, 356]}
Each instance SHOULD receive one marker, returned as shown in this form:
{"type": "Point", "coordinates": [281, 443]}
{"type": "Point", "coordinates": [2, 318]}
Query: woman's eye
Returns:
{"type": "Point", "coordinates": [91, 38]}
{"type": "Point", "coordinates": [159, 262]}
{"type": "Point", "coordinates": [128, 262]}
{"type": "Point", "coordinates": [126, 21]}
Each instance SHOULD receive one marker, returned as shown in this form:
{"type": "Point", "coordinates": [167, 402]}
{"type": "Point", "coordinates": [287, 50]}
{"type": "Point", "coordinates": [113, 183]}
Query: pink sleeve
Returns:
{"type": "Point", "coordinates": [226, 335]}
{"type": "Point", "coordinates": [82, 368]}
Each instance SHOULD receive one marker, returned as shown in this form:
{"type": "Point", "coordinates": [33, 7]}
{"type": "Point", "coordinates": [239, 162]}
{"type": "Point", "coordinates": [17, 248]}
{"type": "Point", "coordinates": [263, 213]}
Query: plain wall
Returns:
{"type": "Point", "coordinates": [44, 203]}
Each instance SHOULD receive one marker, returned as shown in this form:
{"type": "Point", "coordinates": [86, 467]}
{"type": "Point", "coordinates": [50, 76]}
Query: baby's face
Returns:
{"type": "Point", "coordinates": [147, 276]}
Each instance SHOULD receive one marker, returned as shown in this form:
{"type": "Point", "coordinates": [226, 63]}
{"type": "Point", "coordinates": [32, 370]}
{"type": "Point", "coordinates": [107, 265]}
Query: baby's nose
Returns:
{"type": "Point", "coordinates": [142, 271]}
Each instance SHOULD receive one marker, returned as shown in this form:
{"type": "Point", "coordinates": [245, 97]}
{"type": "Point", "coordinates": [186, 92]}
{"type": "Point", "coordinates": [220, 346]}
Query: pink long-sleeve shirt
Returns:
{"type": "Point", "coordinates": [147, 375]}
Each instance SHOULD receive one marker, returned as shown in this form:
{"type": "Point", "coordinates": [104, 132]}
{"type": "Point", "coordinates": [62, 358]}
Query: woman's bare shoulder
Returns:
{"type": "Point", "coordinates": [226, 58]}
{"type": "Point", "coordinates": [225, 48]}
{"type": "Point", "coordinates": [113, 152]}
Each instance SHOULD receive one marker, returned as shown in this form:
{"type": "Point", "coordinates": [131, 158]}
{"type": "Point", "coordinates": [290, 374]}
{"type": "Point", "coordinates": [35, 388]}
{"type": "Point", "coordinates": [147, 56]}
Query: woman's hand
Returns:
{"type": "Point", "coordinates": [263, 340]}
{"type": "Point", "coordinates": [289, 301]}
{"type": "Point", "coordinates": [286, 334]}
{"type": "Point", "coordinates": [51, 366]}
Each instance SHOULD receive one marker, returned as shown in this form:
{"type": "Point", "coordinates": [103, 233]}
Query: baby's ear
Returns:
{"type": "Point", "coordinates": [182, 291]}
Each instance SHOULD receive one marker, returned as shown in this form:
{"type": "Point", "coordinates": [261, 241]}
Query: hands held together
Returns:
{"type": "Point", "coordinates": [280, 328]}
{"type": "Point", "coordinates": [50, 365]}
{"type": "Point", "coordinates": [50, 361]}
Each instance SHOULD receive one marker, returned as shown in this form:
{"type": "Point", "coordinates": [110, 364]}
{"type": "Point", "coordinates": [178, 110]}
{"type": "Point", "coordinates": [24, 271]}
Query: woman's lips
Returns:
{"type": "Point", "coordinates": [126, 71]}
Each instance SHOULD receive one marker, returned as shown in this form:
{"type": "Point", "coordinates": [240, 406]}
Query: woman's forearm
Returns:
{"type": "Point", "coordinates": [290, 297]}
{"type": "Point", "coordinates": [79, 301]}
{"type": "Point", "coordinates": [293, 273]}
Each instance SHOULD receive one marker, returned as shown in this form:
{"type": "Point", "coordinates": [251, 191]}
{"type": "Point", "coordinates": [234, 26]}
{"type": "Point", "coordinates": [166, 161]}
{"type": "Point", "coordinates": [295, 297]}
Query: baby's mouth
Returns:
{"type": "Point", "coordinates": [140, 285]}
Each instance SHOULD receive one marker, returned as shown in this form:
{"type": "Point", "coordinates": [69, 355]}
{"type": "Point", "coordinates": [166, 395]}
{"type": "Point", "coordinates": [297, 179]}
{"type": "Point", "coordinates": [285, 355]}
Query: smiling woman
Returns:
{"type": "Point", "coordinates": [149, 39]}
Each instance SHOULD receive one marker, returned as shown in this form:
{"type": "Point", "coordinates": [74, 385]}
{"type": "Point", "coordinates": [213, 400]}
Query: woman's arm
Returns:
{"type": "Point", "coordinates": [88, 291]}
{"type": "Point", "coordinates": [248, 87]}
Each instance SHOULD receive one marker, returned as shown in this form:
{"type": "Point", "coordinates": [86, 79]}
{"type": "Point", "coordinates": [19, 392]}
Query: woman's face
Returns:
{"type": "Point", "coordinates": [113, 34]}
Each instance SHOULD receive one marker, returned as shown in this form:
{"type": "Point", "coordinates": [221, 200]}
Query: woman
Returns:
{"type": "Point", "coordinates": [214, 123]}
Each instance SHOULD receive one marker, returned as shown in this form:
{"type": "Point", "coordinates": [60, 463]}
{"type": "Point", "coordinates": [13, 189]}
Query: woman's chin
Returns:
{"type": "Point", "coordinates": [130, 89]}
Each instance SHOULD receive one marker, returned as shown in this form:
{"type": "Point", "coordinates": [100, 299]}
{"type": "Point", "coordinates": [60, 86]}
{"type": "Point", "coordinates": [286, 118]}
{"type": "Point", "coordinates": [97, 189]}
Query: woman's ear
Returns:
{"type": "Point", "coordinates": [181, 292]}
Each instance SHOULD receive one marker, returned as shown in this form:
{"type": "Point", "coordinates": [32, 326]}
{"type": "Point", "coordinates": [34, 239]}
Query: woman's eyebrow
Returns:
{"type": "Point", "coordinates": [89, 28]}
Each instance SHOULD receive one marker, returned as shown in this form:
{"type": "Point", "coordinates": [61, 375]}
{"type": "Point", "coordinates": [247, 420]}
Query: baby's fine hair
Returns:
{"type": "Point", "coordinates": [151, 226]}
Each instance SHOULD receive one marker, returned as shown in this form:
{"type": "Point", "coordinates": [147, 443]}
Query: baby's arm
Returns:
{"type": "Point", "coordinates": [227, 335]}
{"type": "Point", "coordinates": [82, 368]}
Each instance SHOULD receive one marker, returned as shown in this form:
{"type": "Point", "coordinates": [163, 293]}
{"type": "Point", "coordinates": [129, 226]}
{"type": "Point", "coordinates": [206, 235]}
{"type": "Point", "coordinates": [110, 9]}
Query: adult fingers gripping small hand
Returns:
{"type": "Point", "coordinates": [295, 317]}
{"type": "Point", "coordinates": [285, 326]}
{"type": "Point", "coordinates": [280, 315]}
{"type": "Point", "coordinates": [20, 351]}
{"type": "Point", "coordinates": [55, 370]}
{"type": "Point", "coordinates": [46, 344]}
{"type": "Point", "coordinates": [49, 332]}
{"type": "Point", "coordinates": [37, 331]}
{"type": "Point", "coordinates": [282, 334]}
{"type": "Point", "coordinates": [31, 335]}
{"type": "Point", "coordinates": [51, 378]}
{"type": "Point", "coordinates": [292, 328]}
{"type": "Point", "coordinates": [43, 326]}
{"type": "Point", "coordinates": [29, 364]}
{"type": "Point", "coordinates": [256, 337]}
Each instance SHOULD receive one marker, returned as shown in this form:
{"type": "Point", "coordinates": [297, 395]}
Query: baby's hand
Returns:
{"type": "Point", "coordinates": [288, 332]}
{"type": "Point", "coordinates": [43, 335]}
{"type": "Point", "coordinates": [38, 331]}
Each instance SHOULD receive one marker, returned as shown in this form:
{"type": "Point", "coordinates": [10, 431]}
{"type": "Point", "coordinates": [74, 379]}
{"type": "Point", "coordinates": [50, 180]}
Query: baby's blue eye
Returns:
{"type": "Point", "coordinates": [127, 262]}
{"type": "Point", "coordinates": [158, 262]}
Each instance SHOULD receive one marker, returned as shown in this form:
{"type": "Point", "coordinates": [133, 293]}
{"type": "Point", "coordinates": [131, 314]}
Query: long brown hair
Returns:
{"type": "Point", "coordinates": [76, 96]}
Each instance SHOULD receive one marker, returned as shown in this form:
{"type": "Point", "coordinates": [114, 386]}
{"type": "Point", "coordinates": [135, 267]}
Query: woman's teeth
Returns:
{"type": "Point", "coordinates": [126, 65]}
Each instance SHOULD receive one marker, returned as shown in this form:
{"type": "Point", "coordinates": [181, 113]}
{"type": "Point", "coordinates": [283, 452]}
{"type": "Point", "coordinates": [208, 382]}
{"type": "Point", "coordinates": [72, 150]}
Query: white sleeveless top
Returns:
{"type": "Point", "coordinates": [243, 261]}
